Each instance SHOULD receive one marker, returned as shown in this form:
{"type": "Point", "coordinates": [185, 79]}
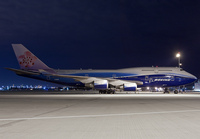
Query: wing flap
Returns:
{"type": "Point", "coordinates": [83, 79]}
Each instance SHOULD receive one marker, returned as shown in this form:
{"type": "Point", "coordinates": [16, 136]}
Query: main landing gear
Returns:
{"type": "Point", "coordinates": [107, 91]}
{"type": "Point", "coordinates": [166, 90]}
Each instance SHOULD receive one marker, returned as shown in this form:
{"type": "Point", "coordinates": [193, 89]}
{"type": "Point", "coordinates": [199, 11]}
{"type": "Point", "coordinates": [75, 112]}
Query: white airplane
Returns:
{"type": "Point", "coordinates": [127, 79]}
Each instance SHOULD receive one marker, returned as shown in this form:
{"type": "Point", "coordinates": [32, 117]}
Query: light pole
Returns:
{"type": "Point", "coordinates": [178, 55]}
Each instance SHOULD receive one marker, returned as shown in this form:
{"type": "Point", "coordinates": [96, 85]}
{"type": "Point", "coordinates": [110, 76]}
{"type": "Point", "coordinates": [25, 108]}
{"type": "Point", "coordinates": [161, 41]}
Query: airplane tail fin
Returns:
{"type": "Point", "coordinates": [26, 59]}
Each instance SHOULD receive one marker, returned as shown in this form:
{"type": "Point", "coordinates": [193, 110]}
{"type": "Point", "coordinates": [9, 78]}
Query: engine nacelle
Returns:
{"type": "Point", "coordinates": [101, 84]}
{"type": "Point", "coordinates": [130, 87]}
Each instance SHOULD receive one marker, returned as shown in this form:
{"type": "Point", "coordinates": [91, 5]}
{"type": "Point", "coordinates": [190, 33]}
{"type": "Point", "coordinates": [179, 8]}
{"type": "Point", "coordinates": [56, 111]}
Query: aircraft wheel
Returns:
{"type": "Point", "coordinates": [166, 90]}
{"type": "Point", "coordinates": [100, 92]}
{"type": "Point", "coordinates": [175, 91]}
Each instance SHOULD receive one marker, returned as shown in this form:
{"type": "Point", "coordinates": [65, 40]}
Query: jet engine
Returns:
{"type": "Point", "coordinates": [130, 87]}
{"type": "Point", "coordinates": [99, 84]}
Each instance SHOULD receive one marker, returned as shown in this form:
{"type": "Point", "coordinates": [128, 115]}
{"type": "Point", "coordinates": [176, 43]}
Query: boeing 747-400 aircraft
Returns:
{"type": "Point", "coordinates": [103, 80]}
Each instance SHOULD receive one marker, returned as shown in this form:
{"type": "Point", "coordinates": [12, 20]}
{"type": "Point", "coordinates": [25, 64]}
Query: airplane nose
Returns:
{"type": "Point", "coordinates": [193, 77]}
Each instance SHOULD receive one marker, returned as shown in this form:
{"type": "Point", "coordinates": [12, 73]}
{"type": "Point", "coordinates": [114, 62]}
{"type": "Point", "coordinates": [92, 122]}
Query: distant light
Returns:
{"type": "Point", "coordinates": [178, 54]}
{"type": "Point", "coordinates": [180, 64]}
{"type": "Point", "coordinates": [147, 88]}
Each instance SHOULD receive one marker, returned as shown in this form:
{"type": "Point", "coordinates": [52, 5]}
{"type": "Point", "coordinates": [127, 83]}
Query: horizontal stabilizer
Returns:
{"type": "Point", "coordinates": [19, 71]}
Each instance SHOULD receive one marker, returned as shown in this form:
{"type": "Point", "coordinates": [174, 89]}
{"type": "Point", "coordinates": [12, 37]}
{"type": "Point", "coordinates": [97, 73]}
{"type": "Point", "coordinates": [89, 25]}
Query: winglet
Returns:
{"type": "Point", "coordinates": [26, 59]}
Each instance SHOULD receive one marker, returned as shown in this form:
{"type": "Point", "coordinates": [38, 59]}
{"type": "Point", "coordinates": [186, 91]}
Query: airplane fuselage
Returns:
{"type": "Point", "coordinates": [149, 76]}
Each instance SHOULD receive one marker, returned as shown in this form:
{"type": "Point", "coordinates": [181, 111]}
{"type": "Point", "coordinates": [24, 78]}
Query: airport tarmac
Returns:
{"type": "Point", "coordinates": [97, 116]}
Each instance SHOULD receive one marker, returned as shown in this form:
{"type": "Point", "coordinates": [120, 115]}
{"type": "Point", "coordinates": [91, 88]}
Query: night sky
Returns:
{"type": "Point", "coordinates": [100, 34]}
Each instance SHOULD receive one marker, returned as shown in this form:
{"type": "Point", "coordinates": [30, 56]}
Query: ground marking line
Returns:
{"type": "Point", "coordinates": [101, 115]}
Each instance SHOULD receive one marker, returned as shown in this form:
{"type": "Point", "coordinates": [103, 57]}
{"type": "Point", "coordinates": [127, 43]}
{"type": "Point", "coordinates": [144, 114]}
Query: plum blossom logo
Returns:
{"type": "Point", "coordinates": [27, 60]}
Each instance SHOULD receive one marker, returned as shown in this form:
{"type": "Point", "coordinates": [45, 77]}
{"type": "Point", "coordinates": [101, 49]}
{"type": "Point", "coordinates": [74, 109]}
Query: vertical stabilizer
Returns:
{"type": "Point", "coordinates": [26, 59]}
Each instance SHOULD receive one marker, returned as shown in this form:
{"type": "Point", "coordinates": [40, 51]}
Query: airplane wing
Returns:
{"type": "Point", "coordinates": [86, 79]}
{"type": "Point", "coordinates": [117, 82]}
{"type": "Point", "coordinates": [83, 79]}
{"type": "Point", "coordinates": [96, 82]}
